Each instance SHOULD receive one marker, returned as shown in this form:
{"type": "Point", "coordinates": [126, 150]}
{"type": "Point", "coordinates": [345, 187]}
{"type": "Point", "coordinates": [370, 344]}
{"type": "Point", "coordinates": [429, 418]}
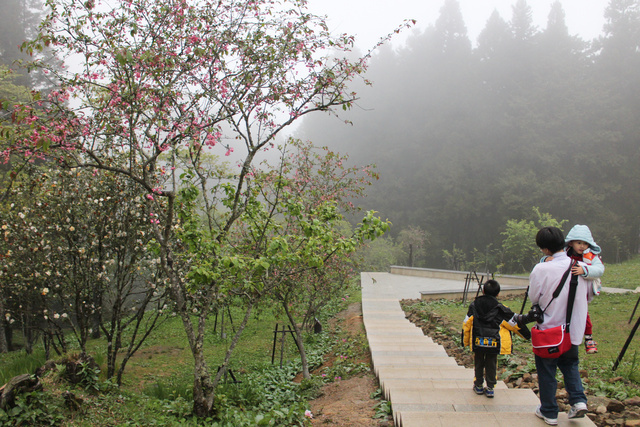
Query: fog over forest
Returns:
{"type": "Point", "coordinates": [466, 138]}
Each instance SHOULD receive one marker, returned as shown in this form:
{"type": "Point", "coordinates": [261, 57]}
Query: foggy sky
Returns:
{"type": "Point", "coordinates": [369, 20]}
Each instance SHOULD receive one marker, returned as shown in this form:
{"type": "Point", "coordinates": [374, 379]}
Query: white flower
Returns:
{"type": "Point", "coordinates": [21, 215]}
{"type": "Point", "coordinates": [64, 315]}
{"type": "Point", "coordinates": [56, 316]}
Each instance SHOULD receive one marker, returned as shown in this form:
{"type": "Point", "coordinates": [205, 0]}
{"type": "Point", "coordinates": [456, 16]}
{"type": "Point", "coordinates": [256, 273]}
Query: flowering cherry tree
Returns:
{"type": "Point", "coordinates": [23, 274]}
{"type": "Point", "coordinates": [167, 84]}
{"type": "Point", "coordinates": [75, 257]}
{"type": "Point", "coordinates": [310, 191]}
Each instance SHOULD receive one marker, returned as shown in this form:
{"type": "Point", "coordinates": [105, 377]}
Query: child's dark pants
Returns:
{"type": "Point", "coordinates": [485, 365]}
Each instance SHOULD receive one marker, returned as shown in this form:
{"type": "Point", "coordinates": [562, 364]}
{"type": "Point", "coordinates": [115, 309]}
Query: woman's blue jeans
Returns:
{"type": "Point", "coordinates": [547, 383]}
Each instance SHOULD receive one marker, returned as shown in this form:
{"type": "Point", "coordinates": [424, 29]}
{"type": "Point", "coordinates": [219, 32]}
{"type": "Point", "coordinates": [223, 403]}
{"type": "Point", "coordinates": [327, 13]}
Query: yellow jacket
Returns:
{"type": "Point", "coordinates": [506, 328]}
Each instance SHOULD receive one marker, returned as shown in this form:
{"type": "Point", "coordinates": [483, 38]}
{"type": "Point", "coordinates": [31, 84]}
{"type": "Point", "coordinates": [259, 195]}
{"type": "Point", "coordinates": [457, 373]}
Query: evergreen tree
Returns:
{"type": "Point", "coordinates": [465, 140]}
{"type": "Point", "coordinates": [18, 22]}
{"type": "Point", "coordinates": [522, 22]}
{"type": "Point", "coordinates": [451, 31]}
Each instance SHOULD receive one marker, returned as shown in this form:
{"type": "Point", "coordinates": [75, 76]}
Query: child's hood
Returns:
{"type": "Point", "coordinates": [485, 303]}
{"type": "Point", "coordinates": [582, 232]}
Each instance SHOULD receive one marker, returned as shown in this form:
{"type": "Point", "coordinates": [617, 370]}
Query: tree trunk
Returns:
{"type": "Point", "coordinates": [133, 345]}
{"type": "Point", "coordinates": [8, 331]}
{"type": "Point", "coordinates": [96, 319]}
{"type": "Point", "coordinates": [299, 343]}
{"type": "Point", "coordinates": [410, 255]}
{"type": "Point", "coordinates": [203, 388]}
{"type": "Point", "coordinates": [28, 333]}
{"type": "Point", "coordinates": [21, 384]}
{"type": "Point", "coordinates": [4, 347]}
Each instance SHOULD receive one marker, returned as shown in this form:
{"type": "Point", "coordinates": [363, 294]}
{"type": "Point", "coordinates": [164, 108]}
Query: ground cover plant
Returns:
{"type": "Point", "coordinates": [158, 385]}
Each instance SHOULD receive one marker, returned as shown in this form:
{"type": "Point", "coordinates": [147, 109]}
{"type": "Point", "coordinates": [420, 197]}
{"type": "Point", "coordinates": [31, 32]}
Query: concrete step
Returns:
{"type": "Point", "coordinates": [414, 361]}
{"type": "Point", "coordinates": [408, 348]}
{"type": "Point", "coordinates": [384, 324]}
{"type": "Point", "coordinates": [460, 385]}
{"type": "Point", "coordinates": [393, 331]}
{"type": "Point", "coordinates": [428, 353]}
{"type": "Point", "coordinates": [390, 338]}
{"type": "Point", "coordinates": [463, 400]}
{"type": "Point", "coordinates": [452, 372]}
{"type": "Point", "coordinates": [475, 419]}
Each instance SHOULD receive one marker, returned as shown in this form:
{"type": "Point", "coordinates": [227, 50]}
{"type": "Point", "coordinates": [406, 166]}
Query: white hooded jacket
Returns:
{"type": "Point", "coordinates": [543, 280]}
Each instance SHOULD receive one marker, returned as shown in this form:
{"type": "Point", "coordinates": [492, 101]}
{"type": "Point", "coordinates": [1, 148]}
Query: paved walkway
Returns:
{"type": "Point", "coordinates": [424, 385]}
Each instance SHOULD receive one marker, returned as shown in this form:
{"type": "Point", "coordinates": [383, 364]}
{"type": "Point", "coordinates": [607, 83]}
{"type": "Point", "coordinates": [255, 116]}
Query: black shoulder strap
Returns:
{"type": "Point", "coordinates": [573, 286]}
{"type": "Point", "coordinates": [564, 279]}
{"type": "Point", "coordinates": [560, 285]}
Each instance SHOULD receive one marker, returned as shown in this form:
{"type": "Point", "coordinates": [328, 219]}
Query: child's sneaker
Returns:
{"type": "Point", "coordinates": [591, 346]}
{"type": "Point", "coordinates": [478, 389]}
{"type": "Point", "coordinates": [488, 392]}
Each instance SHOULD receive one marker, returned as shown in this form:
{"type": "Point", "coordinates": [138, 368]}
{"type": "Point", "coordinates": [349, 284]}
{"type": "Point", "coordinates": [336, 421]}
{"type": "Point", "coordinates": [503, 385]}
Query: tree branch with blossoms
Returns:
{"type": "Point", "coordinates": [203, 80]}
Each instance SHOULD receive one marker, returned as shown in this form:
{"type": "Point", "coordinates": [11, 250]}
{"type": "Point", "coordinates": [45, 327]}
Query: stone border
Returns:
{"type": "Point", "coordinates": [510, 285]}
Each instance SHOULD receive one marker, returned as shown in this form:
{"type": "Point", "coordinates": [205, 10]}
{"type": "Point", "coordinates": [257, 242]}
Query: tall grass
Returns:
{"type": "Point", "coordinates": [19, 362]}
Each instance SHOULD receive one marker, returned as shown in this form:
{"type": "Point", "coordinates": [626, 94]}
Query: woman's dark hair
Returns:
{"type": "Point", "coordinates": [491, 288]}
{"type": "Point", "coordinates": [550, 238]}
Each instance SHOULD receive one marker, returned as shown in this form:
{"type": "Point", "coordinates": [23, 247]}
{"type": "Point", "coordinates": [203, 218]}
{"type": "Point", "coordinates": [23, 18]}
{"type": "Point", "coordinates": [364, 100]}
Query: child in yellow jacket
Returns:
{"type": "Point", "coordinates": [487, 331]}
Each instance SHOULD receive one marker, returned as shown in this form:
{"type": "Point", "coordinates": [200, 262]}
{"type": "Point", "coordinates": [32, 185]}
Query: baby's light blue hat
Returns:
{"type": "Point", "coordinates": [582, 232]}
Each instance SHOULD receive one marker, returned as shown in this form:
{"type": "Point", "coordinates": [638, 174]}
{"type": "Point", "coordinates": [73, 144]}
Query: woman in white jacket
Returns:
{"type": "Point", "coordinates": [580, 246]}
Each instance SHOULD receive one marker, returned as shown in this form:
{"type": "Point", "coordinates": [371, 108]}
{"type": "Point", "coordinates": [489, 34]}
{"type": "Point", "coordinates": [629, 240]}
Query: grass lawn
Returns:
{"type": "Point", "coordinates": [157, 383]}
{"type": "Point", "coordinates": [625, 275]}
{"type": "Point", "coordinates": [165, 356]}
